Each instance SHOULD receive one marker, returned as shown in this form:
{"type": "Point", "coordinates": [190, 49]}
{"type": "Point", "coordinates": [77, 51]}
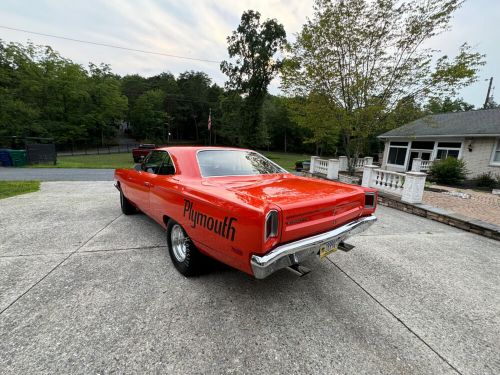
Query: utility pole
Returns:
{"type": "Point", "coordinates": [487, 100]}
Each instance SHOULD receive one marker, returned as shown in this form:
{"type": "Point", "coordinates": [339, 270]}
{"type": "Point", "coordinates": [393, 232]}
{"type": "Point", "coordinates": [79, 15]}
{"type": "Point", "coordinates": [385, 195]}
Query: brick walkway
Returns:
{"type": "Point", "coordinates": [482, 206]}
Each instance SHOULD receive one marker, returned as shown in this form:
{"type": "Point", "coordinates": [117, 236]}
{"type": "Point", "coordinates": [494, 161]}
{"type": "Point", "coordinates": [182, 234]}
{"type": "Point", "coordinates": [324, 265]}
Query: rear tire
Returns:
{"type": "Point", "coordinates": [185, 256]}
{"type": "Point", "coordinates": [127, 207]}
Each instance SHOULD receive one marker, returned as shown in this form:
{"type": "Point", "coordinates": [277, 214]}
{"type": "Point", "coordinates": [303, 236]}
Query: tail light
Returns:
{"type": "Point", "coordinates": [271, 229]}
{"type": "Point", "coordinates": [370, 200]}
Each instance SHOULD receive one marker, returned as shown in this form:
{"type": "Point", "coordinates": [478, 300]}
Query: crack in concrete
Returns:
{"type": "Point", "coordinates": [395, 317]}
{"type": "Point", "coordinates": [32, 255]}
{"type": "Point", "coordinates": [413, 233]}
{"type": "Point", "coordinates": [58, 265]}
{"type": "Point", "coordinates": [123, 249]}
{"type": "Point", "coordinates": [83, 251]}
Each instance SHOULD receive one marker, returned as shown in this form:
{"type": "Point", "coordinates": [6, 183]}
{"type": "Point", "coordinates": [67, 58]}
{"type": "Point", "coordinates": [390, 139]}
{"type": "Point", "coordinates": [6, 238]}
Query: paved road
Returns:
{"type": "Point", "coordinates": [56, 174]}
{"type": "Point", "coordinates": [84, 289]}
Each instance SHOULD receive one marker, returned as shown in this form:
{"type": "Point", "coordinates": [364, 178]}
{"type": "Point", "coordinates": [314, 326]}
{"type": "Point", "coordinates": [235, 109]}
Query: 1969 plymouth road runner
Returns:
{"type": "Point", "coordinates": [242, 209]}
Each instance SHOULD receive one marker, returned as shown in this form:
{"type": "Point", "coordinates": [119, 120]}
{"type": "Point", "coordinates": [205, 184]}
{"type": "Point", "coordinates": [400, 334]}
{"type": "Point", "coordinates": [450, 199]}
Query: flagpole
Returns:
{"type": "Point", "coordinates": [210, 127]}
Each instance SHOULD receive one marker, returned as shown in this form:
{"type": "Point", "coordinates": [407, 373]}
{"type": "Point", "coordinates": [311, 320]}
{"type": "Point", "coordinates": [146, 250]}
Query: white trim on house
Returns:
{"type": "Point", "coordinates": [437, 148]}
{"type": "Point", "coordinates": [496, 148]}
{"type": "Point", "coordinates": [418, 137]}
{"type": "Point", "coordinates": [399, 167]}
{"type": "Point", "coordinates": [409, 149]}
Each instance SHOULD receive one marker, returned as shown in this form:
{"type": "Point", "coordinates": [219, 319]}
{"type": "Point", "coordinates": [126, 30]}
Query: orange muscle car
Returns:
{"type": "Point", "coordinates": [242, 209]}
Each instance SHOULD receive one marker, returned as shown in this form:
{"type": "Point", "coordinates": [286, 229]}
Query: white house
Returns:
{"type": "Point", "coordinates": [473, 136]}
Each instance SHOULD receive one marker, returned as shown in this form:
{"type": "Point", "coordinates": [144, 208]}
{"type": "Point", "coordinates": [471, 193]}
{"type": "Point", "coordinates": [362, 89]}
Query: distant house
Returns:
{"type": "Point", "coordinates": [473, 136]}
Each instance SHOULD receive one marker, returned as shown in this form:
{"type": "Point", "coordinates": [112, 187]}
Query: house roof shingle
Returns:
{"type": "Point", "coordinates": [479, 122]}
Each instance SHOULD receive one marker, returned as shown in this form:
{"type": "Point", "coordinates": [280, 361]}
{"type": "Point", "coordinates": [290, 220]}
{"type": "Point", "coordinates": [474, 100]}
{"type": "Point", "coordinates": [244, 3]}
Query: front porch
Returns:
{"type": "Point", "coordinates": [417, 156]}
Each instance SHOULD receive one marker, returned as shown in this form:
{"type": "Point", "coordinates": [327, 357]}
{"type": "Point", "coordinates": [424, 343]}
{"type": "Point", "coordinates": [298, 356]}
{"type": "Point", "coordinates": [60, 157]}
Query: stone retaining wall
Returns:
{"type": "Point", "coordinates": [456, 220]}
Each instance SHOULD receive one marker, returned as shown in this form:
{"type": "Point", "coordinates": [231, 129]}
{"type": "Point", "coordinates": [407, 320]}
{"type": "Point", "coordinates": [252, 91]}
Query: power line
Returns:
{"type": "Point", "coordinates": [109, 45]}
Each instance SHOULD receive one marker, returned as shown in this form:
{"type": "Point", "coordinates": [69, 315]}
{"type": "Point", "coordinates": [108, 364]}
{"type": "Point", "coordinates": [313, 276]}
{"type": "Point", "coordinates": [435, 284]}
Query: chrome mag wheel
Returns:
{"type": "Point", "coordinates": [178, 241]}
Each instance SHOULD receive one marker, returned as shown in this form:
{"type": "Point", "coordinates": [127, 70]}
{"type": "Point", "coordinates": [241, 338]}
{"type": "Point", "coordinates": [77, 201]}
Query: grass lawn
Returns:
{"type": "Point", "coordinates": [11, 188]}
{"type": "Point", "coordinates": [124, 160]}
{"type": "Point", "coordinates": [103, 161]}
{"type": "Point", "coordinates": [286, 160]}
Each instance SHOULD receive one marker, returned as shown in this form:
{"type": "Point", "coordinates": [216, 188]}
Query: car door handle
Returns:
{"type": "Point", "coordinates": [148, 184]}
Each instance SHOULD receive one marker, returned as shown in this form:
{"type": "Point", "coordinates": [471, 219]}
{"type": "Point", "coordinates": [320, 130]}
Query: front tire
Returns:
{"type": "Point", "coordinates": [126, 206]}
{"type": "Point", "coordinates": [186, 258]}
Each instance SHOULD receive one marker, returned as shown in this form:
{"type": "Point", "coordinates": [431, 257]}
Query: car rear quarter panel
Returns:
{"type": "Point", "coordinates": [197, 208]}
{"type": "Point", "coordinates": [219, 227]}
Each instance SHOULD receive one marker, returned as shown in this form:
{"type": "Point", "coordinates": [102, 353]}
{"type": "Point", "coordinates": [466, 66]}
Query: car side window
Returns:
{"type": "Point", "coordinates": [154, 161]}
{"type": "Point", "coordinates": [167, 167]}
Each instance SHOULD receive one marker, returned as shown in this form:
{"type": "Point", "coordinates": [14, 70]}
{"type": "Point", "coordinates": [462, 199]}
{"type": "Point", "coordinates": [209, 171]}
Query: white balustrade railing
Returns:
{"type": "Point", "coordinates": [358, 164]}
{"type": "Point", "coordinates": [329, 168]}
{"type": "Point", "coordinates": [321, 166]}
{"type": "Point", "coordinates": [425, 165]}
{"type": "Point", "coordinates": [419, 165]}
{"type": "Point", "coordinates": [409, 186]}
{"type": "Point", "coordinates": [390, 182]}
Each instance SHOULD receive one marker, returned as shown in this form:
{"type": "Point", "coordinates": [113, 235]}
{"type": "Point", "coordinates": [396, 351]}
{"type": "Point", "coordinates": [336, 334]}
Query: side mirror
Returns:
{"type": "Point", "coordinates": [138, 167]}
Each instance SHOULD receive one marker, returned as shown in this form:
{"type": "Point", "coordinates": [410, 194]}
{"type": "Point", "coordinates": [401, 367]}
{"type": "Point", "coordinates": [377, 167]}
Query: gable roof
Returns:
{"type": "Point", "coordinates": [481, 122]}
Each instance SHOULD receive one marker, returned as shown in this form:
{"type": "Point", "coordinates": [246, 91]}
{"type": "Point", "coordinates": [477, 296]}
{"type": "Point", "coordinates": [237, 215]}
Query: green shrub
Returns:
{"type": "Point", "coordinates": [486, 180]}
{"type": "Point", "coordinates": [448, 171]}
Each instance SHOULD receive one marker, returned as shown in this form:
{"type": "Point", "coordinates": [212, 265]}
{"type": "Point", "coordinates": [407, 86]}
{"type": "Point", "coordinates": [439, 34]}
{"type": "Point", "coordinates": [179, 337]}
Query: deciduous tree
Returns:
{"type": "Point", "coordinates": [365, 57]}
{"type": "Point", "coordinates": [149, 119]}
{"type": "Point", "coordinates": [438, 105]}
{"type": "Point", "coordinates": [253, 46]}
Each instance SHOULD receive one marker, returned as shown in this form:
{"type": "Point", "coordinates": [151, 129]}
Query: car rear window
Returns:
{"type": "Point", "coordinates": [235, 163]}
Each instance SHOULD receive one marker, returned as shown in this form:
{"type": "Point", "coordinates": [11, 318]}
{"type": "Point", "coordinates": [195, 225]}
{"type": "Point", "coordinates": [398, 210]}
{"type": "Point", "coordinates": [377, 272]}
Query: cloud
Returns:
{"type": "Point", "coordinates": [190, 28]}
{"type": "Point", "coordinates": [198, 28]}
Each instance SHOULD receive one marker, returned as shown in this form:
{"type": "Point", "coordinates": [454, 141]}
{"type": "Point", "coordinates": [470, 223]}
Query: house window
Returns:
{"type": "Point", "coordinates": [448, 150]}
{"type": "Point", "coordinates": [422, 145]}
{"type": "Point", "coordinates": [397, 153]}
{"type": "Point", "coordinates": [495, 158]}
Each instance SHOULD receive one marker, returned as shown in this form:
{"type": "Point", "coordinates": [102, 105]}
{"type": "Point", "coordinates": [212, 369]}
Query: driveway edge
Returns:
{"type": "Point", "coordinates": [438, 214]}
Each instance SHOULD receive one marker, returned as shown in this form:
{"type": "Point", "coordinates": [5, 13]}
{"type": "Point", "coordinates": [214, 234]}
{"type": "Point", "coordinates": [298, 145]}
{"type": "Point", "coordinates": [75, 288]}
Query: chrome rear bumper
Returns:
{"type": "Point", "coordinates": [295, 252]}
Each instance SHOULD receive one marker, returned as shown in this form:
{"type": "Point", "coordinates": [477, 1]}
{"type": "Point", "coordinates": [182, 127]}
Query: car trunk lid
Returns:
{"type": "Point", "coordinates": [308, 206]}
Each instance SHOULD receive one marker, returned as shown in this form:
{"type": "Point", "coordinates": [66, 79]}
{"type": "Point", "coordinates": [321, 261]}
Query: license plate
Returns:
{"type": "Point", "coordinates": [327, 248]}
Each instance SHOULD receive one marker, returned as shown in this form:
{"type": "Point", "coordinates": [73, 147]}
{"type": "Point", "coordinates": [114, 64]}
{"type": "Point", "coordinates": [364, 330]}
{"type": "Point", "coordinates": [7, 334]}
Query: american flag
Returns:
{"type": "Point", "coordinates": [210, 120]}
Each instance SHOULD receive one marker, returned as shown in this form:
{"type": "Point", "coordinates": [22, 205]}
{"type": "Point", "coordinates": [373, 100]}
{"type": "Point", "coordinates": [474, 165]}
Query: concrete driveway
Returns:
{"type": "Point", "coordinates": [84, 289]}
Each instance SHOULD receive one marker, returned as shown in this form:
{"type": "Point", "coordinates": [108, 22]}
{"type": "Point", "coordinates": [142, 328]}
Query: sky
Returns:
{"type": "Point", "coordinates": [198, 29]}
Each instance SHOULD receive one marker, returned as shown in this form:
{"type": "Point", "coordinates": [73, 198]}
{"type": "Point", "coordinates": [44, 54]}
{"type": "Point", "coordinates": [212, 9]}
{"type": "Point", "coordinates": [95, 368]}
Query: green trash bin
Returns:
{"type": "Point", "coordinates": [18, 157]}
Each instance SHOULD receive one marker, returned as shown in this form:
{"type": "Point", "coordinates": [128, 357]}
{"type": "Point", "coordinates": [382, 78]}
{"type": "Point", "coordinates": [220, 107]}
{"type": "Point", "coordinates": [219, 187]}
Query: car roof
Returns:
{"type": "Point", "coordinates": [185, 161]}
{"type": "Point", "coordinates": [198, 148]}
